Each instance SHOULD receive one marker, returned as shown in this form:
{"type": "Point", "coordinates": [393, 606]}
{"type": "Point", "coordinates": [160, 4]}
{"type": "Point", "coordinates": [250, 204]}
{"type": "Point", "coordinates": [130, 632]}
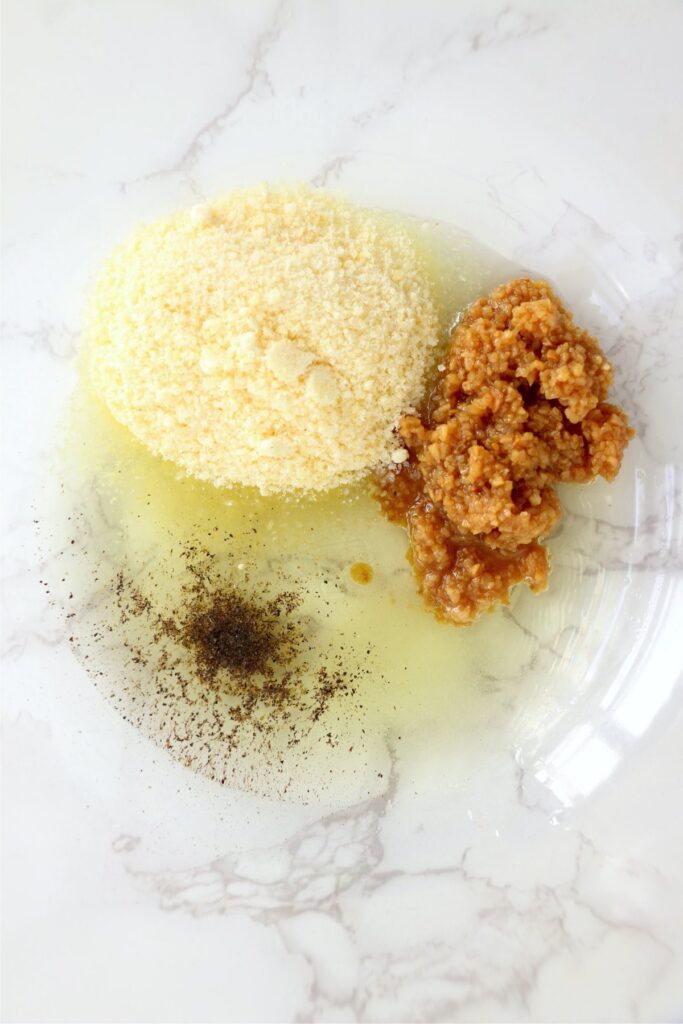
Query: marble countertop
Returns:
{"type": "Point", "coordinates": [135, 891]}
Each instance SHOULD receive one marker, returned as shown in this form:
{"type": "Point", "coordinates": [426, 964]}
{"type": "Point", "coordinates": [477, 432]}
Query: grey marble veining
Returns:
{"type": "Point", "coordinates": [540, 877]}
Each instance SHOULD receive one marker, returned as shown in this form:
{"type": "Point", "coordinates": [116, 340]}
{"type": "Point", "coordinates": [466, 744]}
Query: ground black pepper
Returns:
{"type": "Point", "coordinates": [230, 632]}
{"type": "Point", "coordinates": [223, 664]}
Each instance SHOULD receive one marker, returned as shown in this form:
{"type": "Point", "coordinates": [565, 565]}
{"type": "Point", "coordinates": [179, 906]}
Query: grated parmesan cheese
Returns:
{"type": "Point", "coordinates": [270, 338]}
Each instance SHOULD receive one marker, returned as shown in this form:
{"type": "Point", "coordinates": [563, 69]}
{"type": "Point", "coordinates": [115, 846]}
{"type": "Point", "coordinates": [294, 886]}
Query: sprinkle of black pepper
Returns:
{"type": "Point", "coordinates": [219, 662]}
{"type": "Point", "coordinates": [229, 632]}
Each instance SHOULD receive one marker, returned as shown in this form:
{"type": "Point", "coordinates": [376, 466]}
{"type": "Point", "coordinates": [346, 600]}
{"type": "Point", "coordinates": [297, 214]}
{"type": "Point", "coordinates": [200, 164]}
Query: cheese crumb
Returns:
{"type": "Point", "coordinates": [287, 361]}
{"type": "Point", "coordinates": [322, 386]}
{"type": "Point", "coordinates": [274, 447]}
{"type": "Point", "coordinates": [200, 215]}
{"type": "Point", "coordinates": [277, 348]}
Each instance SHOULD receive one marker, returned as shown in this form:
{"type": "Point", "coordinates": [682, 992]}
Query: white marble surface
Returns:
{"type": "Point", "coordinates": [540, 877]}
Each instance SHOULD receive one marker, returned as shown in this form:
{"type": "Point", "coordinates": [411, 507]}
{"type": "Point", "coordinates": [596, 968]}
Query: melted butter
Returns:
{"type": "Point", "coordinates": [128, 512]}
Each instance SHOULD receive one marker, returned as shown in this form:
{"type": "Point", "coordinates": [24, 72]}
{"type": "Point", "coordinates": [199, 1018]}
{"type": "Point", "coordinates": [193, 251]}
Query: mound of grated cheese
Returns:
{"type": "Point", "coordinates": [270, 338]}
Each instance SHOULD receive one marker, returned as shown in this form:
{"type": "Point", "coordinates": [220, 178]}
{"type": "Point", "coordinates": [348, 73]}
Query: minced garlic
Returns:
{"type": "Point", "coordinates": [270, 338]}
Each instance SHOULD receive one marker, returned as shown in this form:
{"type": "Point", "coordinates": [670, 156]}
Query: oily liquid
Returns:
{"type": "Point", "coordinates": [130, 520]}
